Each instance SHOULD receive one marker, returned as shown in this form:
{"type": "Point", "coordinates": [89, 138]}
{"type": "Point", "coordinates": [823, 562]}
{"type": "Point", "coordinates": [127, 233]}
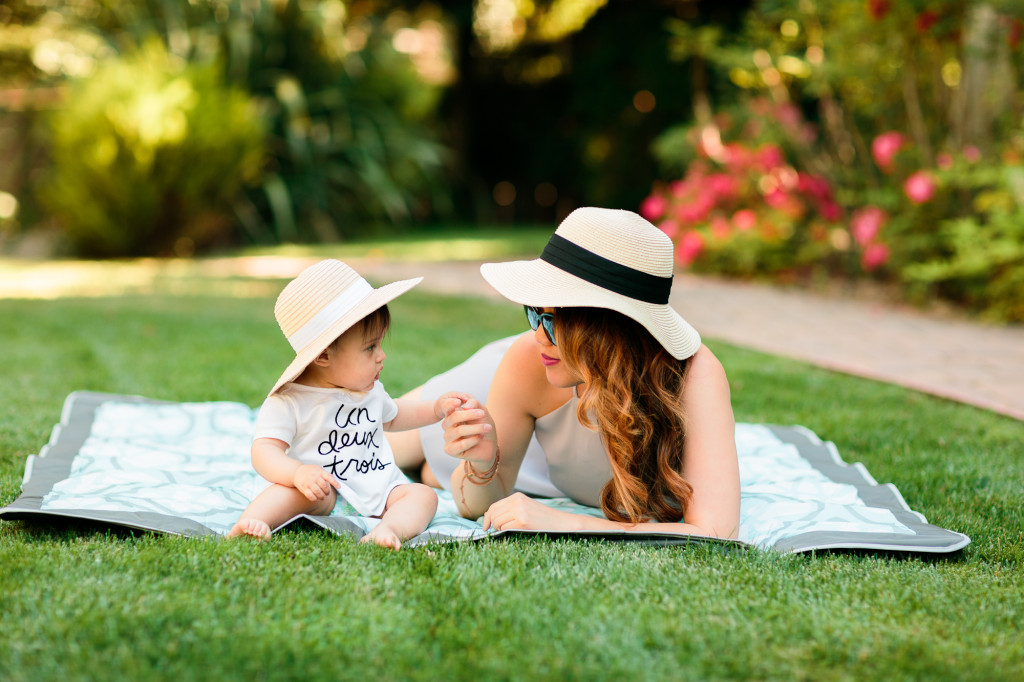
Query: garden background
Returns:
{"type": "Point", "coordinates": [804, 141]}
{"type": "Point", "coordinates": [813, 143]}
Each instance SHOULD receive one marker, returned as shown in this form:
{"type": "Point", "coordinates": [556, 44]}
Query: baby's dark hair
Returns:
{"type": "Point", "coordinates": [374, 325]}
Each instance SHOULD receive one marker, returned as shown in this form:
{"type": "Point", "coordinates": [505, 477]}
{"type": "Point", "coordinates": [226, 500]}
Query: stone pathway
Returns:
{"type": "Point", "coordinates": [967, 362]}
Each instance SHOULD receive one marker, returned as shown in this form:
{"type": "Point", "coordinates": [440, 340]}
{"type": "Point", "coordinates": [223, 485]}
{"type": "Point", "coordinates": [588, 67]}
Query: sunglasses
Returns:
{"type": "Point", "coordinates": [538, 318]}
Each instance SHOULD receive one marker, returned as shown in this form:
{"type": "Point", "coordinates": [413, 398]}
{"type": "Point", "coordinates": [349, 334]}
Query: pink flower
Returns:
{"type": "Point", "coordinates": [776, 198]}
{"type": "Point", "coordinates": [1015, 33]}
{"type": "Point", "coordinates": [885, 147]}
{"type": "Point", "coordinates": [744, 219]}
{"type": "Point", "coordinates": [874, 256]}
{"type": "Point", "coordinates": [690, 246]}
{"type": "Point", "coordinates": [920, 187]}
{"type": "Point", "coordinates": [722, 184]}
{"type": "Point", "coordinates": [815, 185]}
{"type": "Point", "coordinates": [866, 223]}
{"type": "Point", "coordinates": [878, 8]}
{"type": "Point", "coordinates": [925, 20]}
{"type": "Point", "coordinates": [944, 161]}
{"type": "Point", "coordinates": [669, 227]}
{"type": "Point", "coordinates": [789, 116]}
{"type": "Point", "coordinates": [830, 210]}
{"type": "Point", "coordinates": [696, 210]}
{"type": "Point", "coordinates": [972, 153]}
{"type": "Point", "coordinates": [653, 207]}
{"type": "Point", "coordinates": [720, 228]}
{"type": "Point", "coordinates": [770, 156]}
{"type": "Point", "coordinates": [736, 156]}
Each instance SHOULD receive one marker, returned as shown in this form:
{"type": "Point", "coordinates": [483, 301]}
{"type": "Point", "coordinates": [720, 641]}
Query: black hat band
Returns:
{"type": "Point", "coordinates": [607, 274]}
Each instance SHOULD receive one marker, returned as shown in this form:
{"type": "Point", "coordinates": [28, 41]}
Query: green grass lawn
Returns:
{"type": "Point", "coordinates": [87, 603]}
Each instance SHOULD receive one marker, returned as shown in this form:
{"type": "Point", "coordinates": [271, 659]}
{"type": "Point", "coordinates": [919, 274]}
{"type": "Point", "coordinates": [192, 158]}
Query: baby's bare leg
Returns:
{"type": "Point", "coordinates": [408, 512]}
{"type": "Point", "coordinates": [274, 506]}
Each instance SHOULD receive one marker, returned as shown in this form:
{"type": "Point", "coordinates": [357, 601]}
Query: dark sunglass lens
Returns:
{"type": "Point", "coordinates": [537, 319]}
{"type": "Point", "coordinates": [549, 328]}
{"type": "Point", "coordinates": [532, 317]}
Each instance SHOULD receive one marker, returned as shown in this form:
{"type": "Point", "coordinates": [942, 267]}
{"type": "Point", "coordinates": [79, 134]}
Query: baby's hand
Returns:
{"type": "Point", "coordinates": [448, 403]}
{"type": "Point", "coordinates": [313, 482]}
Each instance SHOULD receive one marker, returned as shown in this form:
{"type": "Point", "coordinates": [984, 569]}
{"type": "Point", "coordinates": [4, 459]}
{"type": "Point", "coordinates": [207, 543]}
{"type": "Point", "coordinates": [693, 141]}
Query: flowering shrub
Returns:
{"type": "Point", "coordinates": [742, 208]}
{"type": "Point", "coordinates": [975, 253]}
{"type": "Point", "coordinates": [916, 177]}
{"type": "Point", "coordinates": [953, 231]}
{"type": "Point", "coordinates": [885, 147]}
{"type": "Point", "coordinates": [866, 226]}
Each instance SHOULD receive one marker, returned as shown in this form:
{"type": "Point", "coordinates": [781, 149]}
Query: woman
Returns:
{"type": "Point", "coordinates": [612, 400]}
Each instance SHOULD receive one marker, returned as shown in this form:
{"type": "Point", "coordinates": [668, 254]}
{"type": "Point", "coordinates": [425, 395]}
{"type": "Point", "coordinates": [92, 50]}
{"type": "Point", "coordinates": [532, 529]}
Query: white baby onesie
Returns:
{"type": "Point", "coordinates": [341, 431]}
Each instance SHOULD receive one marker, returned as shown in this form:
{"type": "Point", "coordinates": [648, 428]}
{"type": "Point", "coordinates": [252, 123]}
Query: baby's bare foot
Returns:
{"type": "Point", "coordinates": [251, 527]}
{"type": "Point", "coordinates": [383, 536]}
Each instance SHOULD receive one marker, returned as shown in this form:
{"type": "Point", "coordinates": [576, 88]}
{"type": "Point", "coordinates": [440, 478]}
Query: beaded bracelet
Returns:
{"type": "Point", "coordinates": [475, 478]}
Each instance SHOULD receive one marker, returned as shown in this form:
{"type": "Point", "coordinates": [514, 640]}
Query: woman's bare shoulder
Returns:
{"type": "Point", "coordinates": [704, 363]}
{"type": "Point", "coordinates": [705, 375]}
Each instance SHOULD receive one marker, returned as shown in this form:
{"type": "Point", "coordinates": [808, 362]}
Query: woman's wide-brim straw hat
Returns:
{"type": "Point", "coordinates": [321, 304]}
{"type": "Point", "coordinates": [603, 258]}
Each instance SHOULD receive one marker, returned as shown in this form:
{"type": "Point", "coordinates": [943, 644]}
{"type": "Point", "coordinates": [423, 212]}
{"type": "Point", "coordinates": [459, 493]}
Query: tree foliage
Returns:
{"type": "Point", "coordinates": [148, 156]}
{"type": "Point", "coordinates": [348, 120]}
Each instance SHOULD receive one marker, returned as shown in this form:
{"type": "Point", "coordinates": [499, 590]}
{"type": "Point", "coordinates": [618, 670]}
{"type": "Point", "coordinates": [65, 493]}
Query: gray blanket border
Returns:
{"type": "Point", "coordinates": [823, 456]}
{"type": "Point", "coordinates": [53, 464]}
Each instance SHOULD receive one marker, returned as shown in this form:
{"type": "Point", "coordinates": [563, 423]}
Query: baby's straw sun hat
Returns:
{"type": "Point", "coordinates": [322, 303]}
{"type": "Point", "coordinates": [603, 258]}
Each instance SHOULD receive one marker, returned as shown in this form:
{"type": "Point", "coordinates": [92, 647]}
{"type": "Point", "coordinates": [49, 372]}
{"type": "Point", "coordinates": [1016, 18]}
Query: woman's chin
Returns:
{"type": "Point", "coordinates": [558, 376]}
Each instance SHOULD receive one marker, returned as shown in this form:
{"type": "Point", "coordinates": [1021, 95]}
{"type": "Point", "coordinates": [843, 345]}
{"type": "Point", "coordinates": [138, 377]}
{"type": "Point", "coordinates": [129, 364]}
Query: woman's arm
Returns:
{"type": "Point", "coordinates": [709, 465]}
{"type": "Point", "coordinates": [519, 393]}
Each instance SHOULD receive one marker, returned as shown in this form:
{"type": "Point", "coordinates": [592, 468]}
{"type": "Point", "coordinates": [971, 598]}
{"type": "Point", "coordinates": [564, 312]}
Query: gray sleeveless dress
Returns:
{"type": "Point", "coordinates": [564, 458]}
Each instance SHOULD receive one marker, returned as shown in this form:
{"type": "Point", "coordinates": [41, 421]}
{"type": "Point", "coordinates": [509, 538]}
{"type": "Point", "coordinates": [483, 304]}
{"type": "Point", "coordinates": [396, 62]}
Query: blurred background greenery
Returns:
{"type": "Point", "coordinates": [799, 140]}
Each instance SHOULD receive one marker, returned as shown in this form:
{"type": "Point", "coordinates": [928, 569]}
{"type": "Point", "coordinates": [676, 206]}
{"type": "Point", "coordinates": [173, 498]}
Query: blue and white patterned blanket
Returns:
{"type": "Point", "coordinates": [184, 468]}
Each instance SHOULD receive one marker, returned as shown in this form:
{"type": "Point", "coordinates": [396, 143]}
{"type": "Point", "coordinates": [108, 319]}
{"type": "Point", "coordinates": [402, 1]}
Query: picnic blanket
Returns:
{"type": "Point", "coordinates": [184, 468]}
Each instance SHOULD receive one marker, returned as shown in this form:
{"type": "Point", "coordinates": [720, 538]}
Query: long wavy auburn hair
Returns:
{"type": "Point", "coordinates": [633, 398]}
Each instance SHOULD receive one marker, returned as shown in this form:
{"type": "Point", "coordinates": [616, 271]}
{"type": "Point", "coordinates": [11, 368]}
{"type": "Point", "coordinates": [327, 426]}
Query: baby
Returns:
{"type": "Point", "coordinates": [318, 434]}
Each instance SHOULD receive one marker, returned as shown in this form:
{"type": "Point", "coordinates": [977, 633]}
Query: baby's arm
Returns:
{"type": "Point", "coordinates": [413, 414]}
{"type": "Point", "coordinates": [271, 461]}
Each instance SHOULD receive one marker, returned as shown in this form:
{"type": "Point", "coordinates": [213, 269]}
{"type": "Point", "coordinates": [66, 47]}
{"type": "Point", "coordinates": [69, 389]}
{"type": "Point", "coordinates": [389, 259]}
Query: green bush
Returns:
{"type": "Point", "coordinates": [349, 139]}
{"type": "Point", "coordinates": [148, 155]}
{"type": "Point", "coordinates": [350, 144]}
{"type": "Point", "coordinates": [982, 264]}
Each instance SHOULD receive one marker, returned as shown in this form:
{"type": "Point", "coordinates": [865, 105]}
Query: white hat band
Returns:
{"type": "Point", "coordinates": [343, 303]}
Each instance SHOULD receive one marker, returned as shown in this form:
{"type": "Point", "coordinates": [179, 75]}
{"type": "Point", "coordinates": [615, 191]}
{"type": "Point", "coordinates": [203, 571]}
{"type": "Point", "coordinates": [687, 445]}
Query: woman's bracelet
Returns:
{"type": "Point", "coordinates": [487, 476]}
{"type": "Point", "coordinates": [475, 478]}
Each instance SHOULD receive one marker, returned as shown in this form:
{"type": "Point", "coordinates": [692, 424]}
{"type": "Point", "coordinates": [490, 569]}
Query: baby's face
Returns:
{"type": "Point", "coordinates": [355, 362]}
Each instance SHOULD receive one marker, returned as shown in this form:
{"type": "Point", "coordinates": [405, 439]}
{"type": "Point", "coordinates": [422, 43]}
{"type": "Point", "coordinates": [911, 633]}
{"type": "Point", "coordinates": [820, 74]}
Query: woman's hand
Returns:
{"type": "Point", "coordinates": [521, 511]}
{"type": "Point", "coordinates": [314, 482]}
{"type": "Point", "coordinates": [469, 434]}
